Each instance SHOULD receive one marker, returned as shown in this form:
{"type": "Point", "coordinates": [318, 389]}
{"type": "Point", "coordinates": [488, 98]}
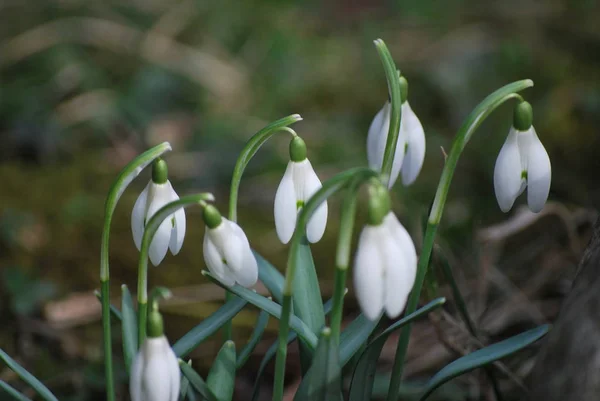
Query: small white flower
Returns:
{"type": "Point", "coordinates": [410, 148]}
{"type": "Point", "coordinates": [385, 268]}
{"type": "Point", "coordinates": [155, 374]}
{"type": "Point", "coordinates": [298, 184]}
{"type": "Point", "coordinates": [522, 163]}
{"type": "Point", "coordinates": [228, 256]}
{"type": "Point", "coordinates": [170, 233]}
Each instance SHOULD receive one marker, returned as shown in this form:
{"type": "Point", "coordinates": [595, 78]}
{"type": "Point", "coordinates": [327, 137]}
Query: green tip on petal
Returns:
{"type": "Point", "coordinates": [297, 149]}
{"type": "Point", "coordinates": [379, 203]}
{"type": "Point", "coordinates": [403, 89]}
{"type": "Point", "coordinates": [160, 172]}
{"type": "Point", "coordinates": [212, 217]}
{"type": "Point", "coordinates": [155, 323]}
{"type": "Point", "coordinates": [523, 116]}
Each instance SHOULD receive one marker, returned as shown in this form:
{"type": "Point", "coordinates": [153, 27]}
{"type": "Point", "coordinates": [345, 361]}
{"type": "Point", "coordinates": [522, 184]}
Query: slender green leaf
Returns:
{"type": "Point", "coordinates": [184, 386]}
{"type": "Point", "coordinates": [28, 377]}
{"type": "Point", "coordinates": [271, 353]}
{"type": "Point", "coordinates": [8, 389]}
{"type": "Point", "coordinates": [354, 336]}
{"type": "Point", "coordinates": [323, 381]}
{"type": "Point", "coordinates": [484, 357]}
{"type": "Point", "coordinates": [196, 381]}
{"type": "Point", "coordinates": [270, 277]}
{"type": "Point", "coordinates": [221, 378]}
{"type": "Point", "coordinates": [209, 326]}
{"type": "Point", "coordinates": [129, 327]}
{"type": "Point", "coordinates": [364, 372]}
{"type": "Point", "coordinates": [259, 329]}
{"type": "Point", "coordinates": [114, 311]}
{"type": "Point", "coordinates": [271, 308]}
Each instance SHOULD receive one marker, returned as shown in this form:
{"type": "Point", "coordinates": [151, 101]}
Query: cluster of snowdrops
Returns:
{"type": "Point", "coordinates": [387, 272]}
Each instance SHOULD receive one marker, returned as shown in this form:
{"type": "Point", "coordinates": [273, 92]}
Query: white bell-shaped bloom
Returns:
{"type": "Point", "coordinates": [410, 148]}
{"type": "Point", "coordinates": [385, 268]}
{"type": "Point", "coordinates": [228, 255]}
{"type": "Point", "coordinates": [170, 233]}
{"type": "Point", "coordinates": [155, 374]}
{"type": "Point", "coordinates": [522, 163]}
{"type": "Point", "coordinates": [299, 183]}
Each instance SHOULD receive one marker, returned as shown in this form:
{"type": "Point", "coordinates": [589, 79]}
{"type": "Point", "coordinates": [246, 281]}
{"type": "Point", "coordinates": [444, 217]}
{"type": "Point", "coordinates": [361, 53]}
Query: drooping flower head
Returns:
{"type": "Point", "coordinates": [298, 184]}
{"type": "Point", "coordinates": [155, 374]}
{"type": "Point", "coordinates": [385, 265]}
{"type": "Point", "coordinates": [522, 163]}
{"type": "Point", "coordinates": [171, 232]}
{"type": "Point", "coordinates": [410, 148]}
{"type": "Point", "coordinates": [227, 251]}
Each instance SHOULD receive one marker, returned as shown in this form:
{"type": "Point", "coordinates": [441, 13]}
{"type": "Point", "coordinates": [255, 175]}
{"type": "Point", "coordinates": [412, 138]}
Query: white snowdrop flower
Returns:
{"type": "Point", "coordinates": [410, 148]}
{"type": "Point", "coordinates": [227, 251]}
{"type": "Point", "coordinates": [298, 184]}
{"type": "Point", "coordinates": [522, 163]}
{"type": "Point", "coordinates": [155, 374]}
{"type": "Point", "coordinates": [385, 265]}
{"type": "Point", "coordinates": [171, 232]}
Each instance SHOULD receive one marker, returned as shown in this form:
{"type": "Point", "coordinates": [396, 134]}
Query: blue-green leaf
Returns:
{"type": "Point", "coordinates": [208, 327]}
{"type": "Point", "coordinates": [8, 389]}
{"type": "Point", "coordinates": [184, 386]}
{"type": "Point", "coordinates": [221, 378]}
{"type": "Point", "coordinates": [364, 372]}
{"type": "Point", "coordinates": [271, 308]}
{"type": "Point", "coordinates": [259, 329]}
{"type": "Point", "coordinates": [28, 377]}
{"type": "Point", "coordinates": [323, 380]}
{"type": "Point", "coordinates": [483, 357]}
{"type": "Point", "coordinates": [129, 327]}
{"type": "Point", "coordinates": [354, 336]}
{"type": "Point", "coordinates": [196, 381]}
{"type": "Point", "coordinates": [270, 277]}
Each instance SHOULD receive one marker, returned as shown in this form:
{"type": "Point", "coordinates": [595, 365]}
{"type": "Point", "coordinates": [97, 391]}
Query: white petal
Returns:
{"type": "Point", "coordinates": [539, 174]}
{"type": "Point", "coordinates": [240, 259]}
{"type": "Point", "coordinates": [138, 216]}
{"type": "Point", "coordinates": [285, 206]}
{"type": "Point", "coordinates": [507, 172]}
{"type": "Point", "coordinates": [398, 277]}
{"type": "Point", "coordinates": [214, 260]}
{"type": "Point", "coordinates": [155, 379]}
{"type": "Point", "coordinates": [415, 153]}
{"type": "Point", "coordinates": [402, 238]}
{"type": "Point", "coordinates": [369, 274]}
{"type": "Point", "coordinates": [398, 153]}
{"type": "Point", "coordinates": [377, 136]}
{"type": "Point", "coordinates": [178, 229]}
{"type": "Point", "coordinates": [317, 223]}
{"type": "Point", "coordinates": [135, 379]}
{"type": "Point", "coordinates": [174, 373]}
{"type": "Point", "coordinates": [159, 195]}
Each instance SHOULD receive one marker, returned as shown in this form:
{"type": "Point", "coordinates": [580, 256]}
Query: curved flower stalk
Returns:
{"type": "Point", "coordinates": [227, 251]}
{"type": "Point", "coordinates": [171, 232]}
{"type": "Point", "coordinates": [298, 184]}
{"type": "Point", "coordinates": [155, 374]}
{"type": "Point", "coordinates": [386, 260]}
{"type": "Point", "coordinates": [410, 148]}
{"type": "Point", "coordinates": [522, 163]}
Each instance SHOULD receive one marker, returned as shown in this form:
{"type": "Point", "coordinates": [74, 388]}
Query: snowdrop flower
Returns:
{"type": "Point", "coordinates": [155, 372]}
{"type": "Point", "coordinates": [410, 148]}
{"type": "Point", "coordinates": [385, 265]}
{"type": "Point", "coordinates": [227, 251]}
{"type": "Point", "coordinates": [298, 184]}
{"type": "Point", "coordinates": [522, 163]}
{"type": "Point", "coordinates": [171, 232]}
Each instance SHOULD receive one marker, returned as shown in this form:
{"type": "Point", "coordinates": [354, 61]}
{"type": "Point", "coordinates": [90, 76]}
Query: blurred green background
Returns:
{"type": "Point", "coordinates": [87, 85]}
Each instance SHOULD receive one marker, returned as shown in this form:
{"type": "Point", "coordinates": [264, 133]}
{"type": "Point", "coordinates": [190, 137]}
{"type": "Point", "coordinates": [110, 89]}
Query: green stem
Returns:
{"type": "Point", "coordinates": [466, 131]}
{"type": "Point", "coordinates": [250, 149]}
{"type": "Point", "coordinates": [129, 172]}
{"type": "Point", "coordinates": [338, 303]}
{"type": "Point", "coordinates": [392, 75]}
{"type": "Point", "coordinates": [284, 322]}
{"type": "Point", "coordinates": [149, 231]}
